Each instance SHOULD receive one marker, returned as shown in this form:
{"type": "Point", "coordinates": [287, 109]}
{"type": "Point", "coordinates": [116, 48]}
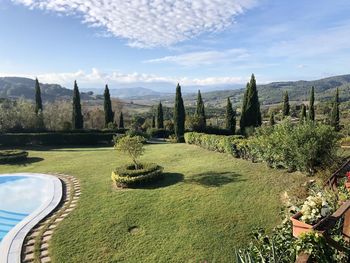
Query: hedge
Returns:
{"type": "Point", "coordinates": [158, 133]}
{"type": "Point", "coordinates": [128, 176]}
{"type": "Point", "coordinates": [10, 156]}
{"type": "Point", "coordinates": [219, 143]}
{"type": "Point", "coordinates": [68, 138]}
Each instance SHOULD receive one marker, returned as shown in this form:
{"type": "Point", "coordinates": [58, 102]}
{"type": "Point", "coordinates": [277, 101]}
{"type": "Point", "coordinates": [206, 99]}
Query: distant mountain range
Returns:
{"type": "Point", "coordinates": [16, 87]}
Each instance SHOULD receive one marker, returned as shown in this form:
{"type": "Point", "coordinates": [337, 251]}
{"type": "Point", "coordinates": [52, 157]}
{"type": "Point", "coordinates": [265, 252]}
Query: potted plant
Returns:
{"type": "Point", "coordinates": [312, 212]}
{"type": "Point", "coordinates": [347, 182]}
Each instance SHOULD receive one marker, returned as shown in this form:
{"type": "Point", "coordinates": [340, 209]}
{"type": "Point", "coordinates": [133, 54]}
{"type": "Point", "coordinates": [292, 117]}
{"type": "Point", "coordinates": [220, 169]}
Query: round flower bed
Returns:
{"type": "Point", "coordinates": [11, 156]}
{"type": "Point", "coordinates": [127, 175]}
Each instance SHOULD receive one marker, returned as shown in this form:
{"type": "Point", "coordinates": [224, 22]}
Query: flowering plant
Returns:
{"type": "Point", "coordinates": [315, 208]}
{"type": "Point", "coordinates": [348, 175]}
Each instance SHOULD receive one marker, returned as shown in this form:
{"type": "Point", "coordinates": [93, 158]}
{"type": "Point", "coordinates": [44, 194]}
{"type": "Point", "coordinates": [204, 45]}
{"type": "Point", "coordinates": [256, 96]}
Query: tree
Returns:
{"type": "Point", "coordinates": [335, 120]}
{"type": "Point", "coordinates": [251, 107]}
{"type": "Point", "coordinates": [77, 117]}
{"type": "Point", "coordinates": [302, 113]}
{"type": "Point", "coordinates": [272, 119]}
{"type": "Point", "coordinates": [132, 146]}
{"type": "Point", "coordinates": [38, 101]}
{"type": "Point", "coordinates": [230, 117]}
{"type": "Point", "coordinates": [200, 112]}
{"type": "Point", "coordinates": [109, 114]}
{"type": "Point", "coordinates": [179, 115]}
{"type": "Point", "coordinates": [311, 105]}
{"type": "Point", "coordinates": [286, 106]}
{"type": "Point", "coordinates": [153, 121]}
{"type": "Point", "coordinates": [121, 121]}
{"type": "Point", "coordinates": [244, 109]}
{"type": "Point", "coordinates": [160, 120]}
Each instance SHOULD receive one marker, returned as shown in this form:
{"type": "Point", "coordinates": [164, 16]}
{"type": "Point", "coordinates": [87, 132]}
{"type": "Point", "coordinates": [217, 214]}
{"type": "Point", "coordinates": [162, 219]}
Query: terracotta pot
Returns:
{"type": "Point", "coordinates": [347, 185]}
{"type": "Point", "coordinates": [300, 227]}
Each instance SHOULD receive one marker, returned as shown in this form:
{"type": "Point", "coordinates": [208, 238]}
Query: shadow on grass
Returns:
{"type": "Point", "coordinates": [27, 161]}
{"type": "Point", "coordinates": [168, 179]}
{"type": "Point", "coordinates": [64, 148]}
{"type": "Point", "coordinates": [213, 179]}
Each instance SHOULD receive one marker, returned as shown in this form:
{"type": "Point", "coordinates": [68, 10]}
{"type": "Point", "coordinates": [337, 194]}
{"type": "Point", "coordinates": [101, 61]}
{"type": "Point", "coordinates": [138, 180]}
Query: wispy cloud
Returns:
{"type": "Point", "coordinates": [150, 23]}
{"type": "Point", "coordinates": [99, 78]}
{"type": "Point", "coordinates": [203, 57]}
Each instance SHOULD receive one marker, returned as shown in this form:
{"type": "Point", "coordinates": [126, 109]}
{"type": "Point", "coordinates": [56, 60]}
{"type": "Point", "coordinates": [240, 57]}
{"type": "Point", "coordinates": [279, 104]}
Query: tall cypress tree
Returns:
{"type": "Point", "coordinates": [335, 120]}
{"type": "Point", "coordinates": [272, 119]}
{"type": "Point", "coordinates": [109, 114]}
{"type": "Point", "coordinates": [77, 117]}
{"type": "Point", "coordinates": [242, 121]}
{"type": "Point", "coordinates": [179, 115]}
{"type": "Point", "coordinates": [153, 121]}
{"type": "Point", "coordinates": [302, 117]}
{"type": "Point", "coordinates": [311, 105]}
{"type": "Point", "coordinates": [251, 114]}
{"type": "Point", "coordinates": [121, 121]}
{"type": "Point", "coordinates": [38, 101]}
{"type": "Point", "coordinates": [160, 119]}
{"type": "Point", "coordinates": [230, 117]}
{"type": "Point", "coordinates": [200, 111]}
{"type": "Point", "coordinates": [286, 106]}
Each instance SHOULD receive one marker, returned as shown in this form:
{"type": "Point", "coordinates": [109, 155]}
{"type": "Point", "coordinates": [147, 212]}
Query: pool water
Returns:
{"type": "Point", "coordinates": [19, 197]}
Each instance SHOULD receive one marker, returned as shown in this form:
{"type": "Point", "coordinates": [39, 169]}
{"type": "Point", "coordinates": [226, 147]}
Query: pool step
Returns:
{"type": "Point", "coordinates": [40, 236]}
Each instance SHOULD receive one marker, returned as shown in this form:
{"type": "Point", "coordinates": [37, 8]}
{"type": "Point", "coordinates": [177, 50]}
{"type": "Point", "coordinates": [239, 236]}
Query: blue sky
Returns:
{"type": "Point", "coordinates": [156, 43]}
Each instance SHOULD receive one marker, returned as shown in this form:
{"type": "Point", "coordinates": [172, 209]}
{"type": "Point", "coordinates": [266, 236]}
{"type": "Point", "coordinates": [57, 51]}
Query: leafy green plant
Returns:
{"type": "Point", "coordinates": [132, 146]}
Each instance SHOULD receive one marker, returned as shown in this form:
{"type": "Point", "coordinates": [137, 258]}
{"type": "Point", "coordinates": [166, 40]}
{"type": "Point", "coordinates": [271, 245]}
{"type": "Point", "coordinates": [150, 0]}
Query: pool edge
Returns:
{"type": "Point", "coordinates": [11, 245]}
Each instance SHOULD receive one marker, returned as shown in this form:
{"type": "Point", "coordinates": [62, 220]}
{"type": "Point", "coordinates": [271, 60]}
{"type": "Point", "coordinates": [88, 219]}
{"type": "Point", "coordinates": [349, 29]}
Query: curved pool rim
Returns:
{"type": "Point", "coordinates": [11, 245]}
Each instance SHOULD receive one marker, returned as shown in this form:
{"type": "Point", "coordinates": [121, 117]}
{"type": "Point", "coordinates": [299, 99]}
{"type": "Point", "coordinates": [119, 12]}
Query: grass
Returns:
{"type": "Point", "coordinates": [206, 206]}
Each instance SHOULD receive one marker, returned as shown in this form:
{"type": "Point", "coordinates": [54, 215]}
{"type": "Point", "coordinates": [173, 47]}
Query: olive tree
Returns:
{"type": "Point", "coordinates": [132, 146]}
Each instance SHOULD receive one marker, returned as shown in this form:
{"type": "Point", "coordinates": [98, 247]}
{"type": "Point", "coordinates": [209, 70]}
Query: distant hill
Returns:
{"type": "Point", "coordinates": [16, 87]}
{"type": "Point", "coordinates": [132, 93]}
{"type": "Point", "coordinates": [272, 93]}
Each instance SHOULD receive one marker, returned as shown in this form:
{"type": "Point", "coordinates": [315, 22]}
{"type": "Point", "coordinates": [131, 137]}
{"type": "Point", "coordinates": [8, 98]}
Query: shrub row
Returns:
{"type": "Point", "coordinates": [128, 176]}
{"type": "Point", "coordinates": [10, 156]}
{"type": "Point", "coordinates": [219, 143]}
{"type": "Point", "coordinates": [68, 138]}
{"type": "Point", "coordinates": [158, 133]}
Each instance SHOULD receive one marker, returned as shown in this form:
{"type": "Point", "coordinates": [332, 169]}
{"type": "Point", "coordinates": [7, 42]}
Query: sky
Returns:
{"type": "Point", "coordinates": [158, 43]}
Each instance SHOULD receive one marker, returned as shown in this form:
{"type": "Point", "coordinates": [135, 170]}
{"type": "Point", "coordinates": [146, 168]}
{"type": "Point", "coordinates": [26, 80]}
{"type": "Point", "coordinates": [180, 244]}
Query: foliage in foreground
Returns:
{"type": "Point", "coordinates": [132, 146]}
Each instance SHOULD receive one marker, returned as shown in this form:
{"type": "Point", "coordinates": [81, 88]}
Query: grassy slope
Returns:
{"type": "Point", "coordinates": [206, 207]}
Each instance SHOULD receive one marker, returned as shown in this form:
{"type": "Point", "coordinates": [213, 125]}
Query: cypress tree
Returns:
{"type": "Point", "coordinates": [121, 121]}
{"type": "Point", "coordinates": [179, 115]}
{"type": "Point", "coordinates": [109, 114]}
{"type": "Point", "coordinates": [272, 119]}
{"type": "Point", "coordinates": [230, 117]}
{"type": "Point", "coordinates": [251, 107]}
{"type": "Point", "coordinates": [335, 120]}
{"type": "Point", "coordinates": [311, 105]}
{"type": "Point", "coordinates": [77, 117]}
{"type": "Point", "coordinates": [200, 111]}
{"type": "Point", "coordinates": [38, 101]}
{"type": "Point", "coordinates": [286, 106]}
{"type": "Point", "coordinates": [302, 113]}
{"type": "Point", "coordinates": [242, 121]}
{"type": "Point", "coordinates": [160, 119]}
{"type": "Point", "coordinates": [153, 121]}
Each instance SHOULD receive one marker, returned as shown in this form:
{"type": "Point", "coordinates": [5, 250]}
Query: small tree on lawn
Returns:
{"type": "Point", "coordinates": [132, 146]}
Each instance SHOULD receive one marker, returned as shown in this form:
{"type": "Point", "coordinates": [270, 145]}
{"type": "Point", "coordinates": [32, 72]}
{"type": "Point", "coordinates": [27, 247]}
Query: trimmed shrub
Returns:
{"type": "Point", "coordinates": [217, 131]}
{"type": "Point", "coordinates": [158, 133]}
{"type": "Point", "coordinates": [59, 138]}
{"type": "Point", "coordinates": [128, 176]}
{"type": "Point", "coordinates": [218, 143]}
{"type": "Point", "coordinates": [10, 156]}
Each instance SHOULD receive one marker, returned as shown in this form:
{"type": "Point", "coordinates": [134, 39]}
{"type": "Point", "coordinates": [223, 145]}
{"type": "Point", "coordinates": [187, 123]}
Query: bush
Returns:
{"type": "Point", "coordinates": [56, 138]}
{"type": "Point", "coordinates": [133, 133]}
{"type": "Point", "coordinates": [294, 147]}
{"type": "Point", "coordinates": [217, 131]}
{"type": "Point", "coordinates": [158, 133]}
{"type": "Point", "coordinates": [9, 156]}
{"type": "Point", "coordinates": [128, 176]}
{"type": "Point", "coordinates": [218, 143]}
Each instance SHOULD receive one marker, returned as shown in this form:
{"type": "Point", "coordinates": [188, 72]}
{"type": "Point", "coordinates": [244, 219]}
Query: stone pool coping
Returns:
{"type": "Point", "coordinates": [11, 245]}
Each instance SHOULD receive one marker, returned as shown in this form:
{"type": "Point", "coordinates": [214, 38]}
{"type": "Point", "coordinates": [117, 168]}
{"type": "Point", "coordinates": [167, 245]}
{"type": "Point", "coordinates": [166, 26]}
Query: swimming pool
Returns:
{"type": "Point", "coordinates": [25, 199]}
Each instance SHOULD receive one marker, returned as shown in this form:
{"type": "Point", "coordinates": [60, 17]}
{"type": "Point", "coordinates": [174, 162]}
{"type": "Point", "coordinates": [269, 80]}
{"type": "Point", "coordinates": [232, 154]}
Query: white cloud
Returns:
{"type": "Point", "coordinates": [204, 57]}
{"type": "Point", "coordinates": [149, 23]}
{"type": "Point", "coordinates": [97, 78]}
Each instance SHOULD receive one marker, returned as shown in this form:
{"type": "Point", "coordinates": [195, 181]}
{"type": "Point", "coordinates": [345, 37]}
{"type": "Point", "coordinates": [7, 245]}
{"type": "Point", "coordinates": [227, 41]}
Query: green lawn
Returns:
{"type": "Point", "coordinates": [207, 205]}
